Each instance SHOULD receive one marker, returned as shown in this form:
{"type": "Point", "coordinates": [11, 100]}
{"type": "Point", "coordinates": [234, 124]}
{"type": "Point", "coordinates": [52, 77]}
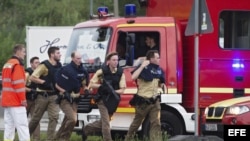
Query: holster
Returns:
{"type": "Point", "coordinates": [138, 100]}
{"type": "Point", "coordinates": [31, 96]}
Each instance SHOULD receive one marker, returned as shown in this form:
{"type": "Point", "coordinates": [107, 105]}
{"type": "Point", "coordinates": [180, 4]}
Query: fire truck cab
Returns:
{"type": "Point", "coordinates": [224, 60]}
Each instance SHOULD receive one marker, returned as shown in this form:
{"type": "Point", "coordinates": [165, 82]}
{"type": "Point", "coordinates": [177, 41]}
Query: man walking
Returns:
{"type": "Point", "coordinates": [44, 76]}
{"type": "Point", "coordinates": [149, 77]}
{"type": "Point", "coordinates": [13, 96]}
{"type": "Point", "coordinates": [69, 80]}
{"type": "Point", "coordinates": [114, 75]}
{"type": "Point", "coordinates": [31, 94]}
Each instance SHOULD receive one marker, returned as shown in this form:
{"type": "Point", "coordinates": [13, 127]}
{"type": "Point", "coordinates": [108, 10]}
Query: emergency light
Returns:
{"type": "Point", "coordinates": [237, 64]}
{"type": "Point", "coordinates": [130, 10]}
{"type": "Point", "coordinates": [102, 12]}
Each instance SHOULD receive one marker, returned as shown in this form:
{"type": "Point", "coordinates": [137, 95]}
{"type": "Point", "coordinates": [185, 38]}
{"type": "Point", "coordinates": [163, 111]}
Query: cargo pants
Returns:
{"type": "Point", "coordinates": [45, 103]}
{"type": "Point", "coordinates": [141, 111]}
{"type": "Point", "coordinates": [30, 111]}
{"type": "Point", "coordinates": [69, 121]}
{"type": "Point", "coordinates": [102, 125]}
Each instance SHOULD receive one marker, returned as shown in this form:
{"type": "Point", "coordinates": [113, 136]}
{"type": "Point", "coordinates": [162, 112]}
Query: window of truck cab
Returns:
{"type": "Point", "coordinates": [234, 30]}
{"type": "Point", "coordinates": [131, 45]}
{"type": "Point", "coordinates": [92, 42]}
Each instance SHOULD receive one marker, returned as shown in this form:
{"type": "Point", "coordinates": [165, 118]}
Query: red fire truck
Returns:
{"type": "Point", "coordinates": [224, 61]}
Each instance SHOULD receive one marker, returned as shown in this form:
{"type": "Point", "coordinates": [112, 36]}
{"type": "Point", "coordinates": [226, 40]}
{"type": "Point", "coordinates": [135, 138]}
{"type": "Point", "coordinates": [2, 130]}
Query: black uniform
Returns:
{"type": "Point", "coordinates": [70, 78]}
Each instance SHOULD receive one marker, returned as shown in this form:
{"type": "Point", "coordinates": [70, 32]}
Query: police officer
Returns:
{"type": "Point", "coordinates": [69, 80]}
{"type": "Point", "coordinates": [114, 74]}
{"type": "Point", "coordinates": [43, 75]}
{"type": "Point", "coordinates": [31, 93]}
{"type": "Point", "coordinates": [149, 78]}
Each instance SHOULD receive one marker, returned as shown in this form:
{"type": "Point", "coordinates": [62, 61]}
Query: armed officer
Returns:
{"type": "Point", "coordinates": [69, 80]}
{"type": "Point", "coordinates": [43, 75]}
{"type": "Point", "coordinates": [107, 100]}
{"type": "Point", "coordinates": [149, 77]}
{"type": "Point", "coordinates": [31, 93]}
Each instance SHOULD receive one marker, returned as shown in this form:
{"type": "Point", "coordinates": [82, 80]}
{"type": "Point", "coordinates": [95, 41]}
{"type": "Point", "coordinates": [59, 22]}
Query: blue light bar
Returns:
{"type": "Point", "coordinates": [130, 10]}
{"type": "Point", "coordinates": [103, 10]}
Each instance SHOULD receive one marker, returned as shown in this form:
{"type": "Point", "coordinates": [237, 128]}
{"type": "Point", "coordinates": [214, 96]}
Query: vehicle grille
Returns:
{"type": "Point", "coordinates": [216, 111]}
{"type": "Point", "coordinates": [84, 104]}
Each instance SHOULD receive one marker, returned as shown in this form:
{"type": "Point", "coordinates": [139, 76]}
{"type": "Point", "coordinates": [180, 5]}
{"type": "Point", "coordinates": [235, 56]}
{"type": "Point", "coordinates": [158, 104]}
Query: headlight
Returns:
{"type": "Point", "coordinates": [236, 110]}
{"type": "Point", "coordinates": [206, 111]}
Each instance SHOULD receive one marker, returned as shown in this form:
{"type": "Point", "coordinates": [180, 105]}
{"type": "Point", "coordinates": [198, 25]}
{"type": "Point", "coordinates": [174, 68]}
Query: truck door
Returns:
{"type": "Point", "coordinates": [130, 43]}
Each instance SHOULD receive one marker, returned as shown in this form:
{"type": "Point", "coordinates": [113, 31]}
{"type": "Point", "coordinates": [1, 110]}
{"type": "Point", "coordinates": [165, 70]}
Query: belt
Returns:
{"type": "Point", "coordinates": [46, 94]}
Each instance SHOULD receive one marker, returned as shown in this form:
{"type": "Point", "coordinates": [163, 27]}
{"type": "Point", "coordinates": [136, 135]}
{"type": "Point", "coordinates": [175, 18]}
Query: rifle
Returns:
{"type": "Point", "coordinates": [110, 90]}
{"type": "Point", "coordinates": [111, 99]}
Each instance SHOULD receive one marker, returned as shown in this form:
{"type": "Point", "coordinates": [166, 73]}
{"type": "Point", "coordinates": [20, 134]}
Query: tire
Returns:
{"type": "Point", "coordinates": [170, 124]}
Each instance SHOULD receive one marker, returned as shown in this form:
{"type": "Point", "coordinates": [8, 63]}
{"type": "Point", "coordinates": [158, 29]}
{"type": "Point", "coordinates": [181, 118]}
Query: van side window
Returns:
{"type": "Point", "coordinates": [234, 30]}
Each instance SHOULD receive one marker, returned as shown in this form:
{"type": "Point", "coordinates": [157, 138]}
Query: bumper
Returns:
{"type": "Point", "coordinates": [212, 129]}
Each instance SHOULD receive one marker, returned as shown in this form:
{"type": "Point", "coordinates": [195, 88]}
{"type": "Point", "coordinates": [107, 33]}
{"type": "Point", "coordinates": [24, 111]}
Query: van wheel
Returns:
{"type": "Point", "coordinates": [170, 124]}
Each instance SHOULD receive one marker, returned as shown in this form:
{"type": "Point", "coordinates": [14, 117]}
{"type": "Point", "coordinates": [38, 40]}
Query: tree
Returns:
{"type": "Point", "coordinates": [17, 14]}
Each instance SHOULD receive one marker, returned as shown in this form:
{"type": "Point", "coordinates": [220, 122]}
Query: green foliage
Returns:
{"type": "Point", "coordinates": [17, 14]}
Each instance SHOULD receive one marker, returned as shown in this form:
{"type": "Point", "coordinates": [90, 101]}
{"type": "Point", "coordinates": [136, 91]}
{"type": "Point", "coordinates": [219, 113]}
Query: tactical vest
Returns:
{"type": "Point", "coordinates": [50, 78]}
{"type": "Point", "coordinates": [113, 78]}
{"type": "Point", "coordinates": [70, 77]}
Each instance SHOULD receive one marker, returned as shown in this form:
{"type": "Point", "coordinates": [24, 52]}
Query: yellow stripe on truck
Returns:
{"type": "Point", "coordinates": [202, 90]}
{"type": "Point", "coordinates": [216, 90]}
{"type": "Point", "coordinates": [134, 90]}
{"type": "Point", "coordinates": [221, 90]}
{"type": "Point", "coordinates": [125, 110]}
{"type": "Point", "coordinates": [145, 25]}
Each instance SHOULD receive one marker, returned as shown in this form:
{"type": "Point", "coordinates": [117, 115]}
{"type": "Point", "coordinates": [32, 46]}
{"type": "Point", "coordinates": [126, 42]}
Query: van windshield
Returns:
{"type": "Point", "coordinates": [91, 42]}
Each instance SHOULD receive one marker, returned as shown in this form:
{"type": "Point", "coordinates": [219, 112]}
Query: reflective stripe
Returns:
{"type": "Point", "coordinates": [125, 110]}
{"type": "Point", "coordinates": [8, 89]}
{"type": "Point", "coordinates": [146, 24]}
{"type": "Point", "coordinates": [18, 81]}
{"type": "Point", "coordinates": [20, 90]}
{"type": "Point", "coordinates": [13, 90]}
{"type": "Point", "coordinates": [6, 80]}
{"type": "Point", "coordinates": [216, 90]}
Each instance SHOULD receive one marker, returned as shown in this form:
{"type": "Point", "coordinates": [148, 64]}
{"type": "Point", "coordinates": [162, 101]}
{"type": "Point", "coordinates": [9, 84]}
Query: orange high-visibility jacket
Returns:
{"type": "Point", "coordinates": [13, 83]}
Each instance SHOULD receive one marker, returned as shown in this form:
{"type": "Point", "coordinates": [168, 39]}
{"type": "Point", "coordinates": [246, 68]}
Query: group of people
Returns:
{"type": "Point", "coordinates": [36, 89]}
{"type": "Point", "coordinates": [49, 86]}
